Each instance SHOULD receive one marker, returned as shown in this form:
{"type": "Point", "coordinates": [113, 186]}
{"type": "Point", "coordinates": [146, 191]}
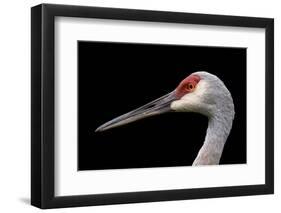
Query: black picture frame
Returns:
{"type": "Point", "coordinates": [43, 113]}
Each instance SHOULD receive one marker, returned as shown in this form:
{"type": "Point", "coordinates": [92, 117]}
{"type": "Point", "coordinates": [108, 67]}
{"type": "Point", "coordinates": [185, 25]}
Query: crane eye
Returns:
{"type": "Point", "coordinates": [190, 86]}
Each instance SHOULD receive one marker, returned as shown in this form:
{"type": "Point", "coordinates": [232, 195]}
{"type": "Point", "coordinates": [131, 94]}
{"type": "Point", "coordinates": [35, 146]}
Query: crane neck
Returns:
{"type": "Point", "coordinates": [219, 127]}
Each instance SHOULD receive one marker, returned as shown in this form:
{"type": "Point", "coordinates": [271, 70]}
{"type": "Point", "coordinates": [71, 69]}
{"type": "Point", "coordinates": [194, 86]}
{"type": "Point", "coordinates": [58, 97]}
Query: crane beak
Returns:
{"type": "Point", "coordinates": [156, 107]}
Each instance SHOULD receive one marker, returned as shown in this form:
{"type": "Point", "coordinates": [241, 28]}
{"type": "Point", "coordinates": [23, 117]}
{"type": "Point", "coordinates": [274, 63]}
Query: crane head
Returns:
{"type": "Point", "coordinates": [199, 92]}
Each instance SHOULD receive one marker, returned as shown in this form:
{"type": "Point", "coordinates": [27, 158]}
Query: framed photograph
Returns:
{"type": "Point", "coordinates": [139, 106]}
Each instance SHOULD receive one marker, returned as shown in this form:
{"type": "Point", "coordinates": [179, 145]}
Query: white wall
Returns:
{"type": "Point", "coordinates": [15, 105]}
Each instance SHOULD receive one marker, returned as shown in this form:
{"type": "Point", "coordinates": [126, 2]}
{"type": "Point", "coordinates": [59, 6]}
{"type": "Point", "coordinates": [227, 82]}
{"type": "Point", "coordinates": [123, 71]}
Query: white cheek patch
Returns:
{"type": "Point", "coordinates": [194, 101]}
{"type": "Point", "coordinates": [184, 106]}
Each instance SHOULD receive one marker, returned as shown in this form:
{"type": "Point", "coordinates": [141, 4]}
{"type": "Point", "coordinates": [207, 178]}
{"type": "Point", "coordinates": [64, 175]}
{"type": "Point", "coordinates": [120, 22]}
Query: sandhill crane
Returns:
{"type": "Point", "coordinates": [200, 92]}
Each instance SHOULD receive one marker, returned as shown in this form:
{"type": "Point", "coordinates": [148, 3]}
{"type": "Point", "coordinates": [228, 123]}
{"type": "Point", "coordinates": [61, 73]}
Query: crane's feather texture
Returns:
{"type": "Point", "coordinates": [211, 98]}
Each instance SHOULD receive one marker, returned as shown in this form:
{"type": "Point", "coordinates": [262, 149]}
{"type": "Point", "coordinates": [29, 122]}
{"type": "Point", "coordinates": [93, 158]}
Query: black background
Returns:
{"type": "Point", "coordinates": [114, 78]}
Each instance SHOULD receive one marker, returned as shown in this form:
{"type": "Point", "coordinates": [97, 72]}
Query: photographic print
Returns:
{"type": "Point", "coordinates": [157, 105]}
